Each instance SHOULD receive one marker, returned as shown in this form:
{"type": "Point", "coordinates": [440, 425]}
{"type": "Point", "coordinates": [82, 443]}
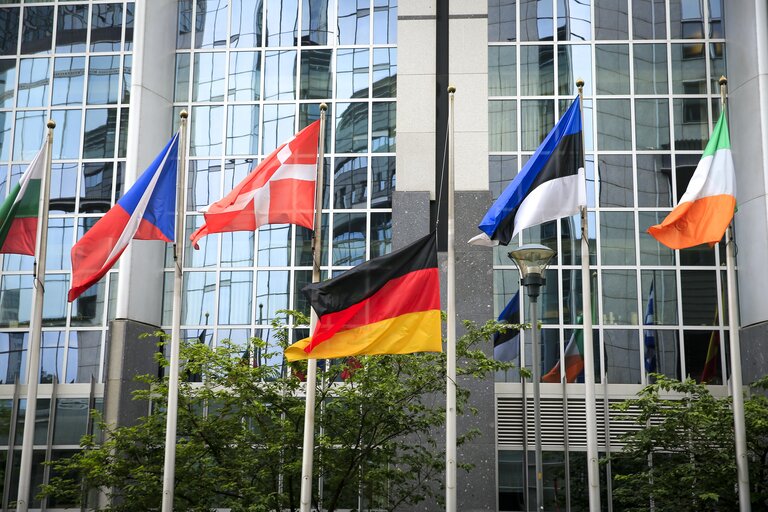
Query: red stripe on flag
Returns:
{"type": "Point", "coordinates": [21, 236]}
{"type": "Point", "coordinates": [288, 202]}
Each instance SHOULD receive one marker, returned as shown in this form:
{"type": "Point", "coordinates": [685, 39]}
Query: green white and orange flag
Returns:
{"type": "Point", "coordinates": [574, 360]}
{"type": "Point", "coordinates": [387, 305]}
{"type": "Point", "coordinates": [20, 210]}
{"type": "Point", "coordinates": [707, 207]}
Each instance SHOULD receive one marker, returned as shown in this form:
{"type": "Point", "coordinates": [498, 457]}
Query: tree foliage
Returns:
{"type": "Point", "coordinates": [682, 456]}
{"type": "Point", "coordinates": [240, 433]}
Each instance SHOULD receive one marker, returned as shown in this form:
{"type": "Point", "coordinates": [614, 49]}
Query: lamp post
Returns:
{"type": "Point", "coordinates": [532, 260]}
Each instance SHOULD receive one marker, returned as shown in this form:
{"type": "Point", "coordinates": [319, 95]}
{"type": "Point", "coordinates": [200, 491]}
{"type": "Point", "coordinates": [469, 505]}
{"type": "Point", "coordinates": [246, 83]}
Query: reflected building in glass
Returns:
{"type": "Point", "coordinates": [114, 75]}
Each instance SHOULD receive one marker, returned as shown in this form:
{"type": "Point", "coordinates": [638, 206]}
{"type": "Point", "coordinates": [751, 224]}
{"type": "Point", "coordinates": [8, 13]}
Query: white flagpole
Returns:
{"type": "Point", "coordinates": [35, 330]}
{"type": "Point", "coordinates": [308, 450]}
{"type": "Point", "coordinates": [593, 469]}
{"type": "Point", "coordinates": [737, 392]}
{"type": "Point", "coordinates": [450, 385]}
{"type": "Point", "coordinates": [169, 465]}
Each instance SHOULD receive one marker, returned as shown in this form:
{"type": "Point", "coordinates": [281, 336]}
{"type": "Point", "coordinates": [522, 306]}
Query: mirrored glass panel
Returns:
{"type": "Point", "coordinates": [381, 234]}
{"type": "Point", "coordinates": [501, 21]}
{"type": "Point", "coordinates": [699, 297]}
{"type": "Point", "coordinates": [235, 297]}
{"type": "Point", "coordinates": [243, 129]}
{"type": "Point", "coordinates": [686, 19]}
{"type": "Point", "coordinates": [200, 296]}
{"type": "Point", "coordinates": [106, 27]}
{"type": "Point", "coordinates": [316, 20]}
{"type": "Point", "coordinates": [272, 289]}
{"type": "Point", "coordinates": [384, 73]}
{"type": "Point", "coordinates": [611, 19]}
{"type": "Point", "coordinates": [619, 297]}
{"type": "Point", "coordinates": [274, 248]}
{"type": "Point", "coordinates": [281, 22]}
{"type": "Point", "coordinates": [37, 33]}
{"type": "Point", "coordinates": [244, 76]}
{"type": "Point", "coordinates": [537, 118]}
{"type": "Point", "coordinates": [659, 291]}
{"type": "Point", "coordinates": [614, 131]}
{"type": "Point", "coordinates": [9, 30]}
{"type": "Point", "coordinates": [649, 19]}
{"type": "Point", "coordinates": [622, 356]}
{"type": "Point", "coordinates": [353, 21]}
{"type": "Point", "coordinates": [103, 77]}
{"type": "Point", "coordinates": [279, 123]}
{"type": "Point", "coordinates": [352, 73]}
{"type": "Point", "coordinates": [13, 357]}
{"type": "Point", "coordinates": [384, 21]}
{"type": "Point", "coordinates": [502, 72]}
{"type": "Point", "coordinates": [651, 69]}
{"type": "Point", "coordinates": [29, 134]}
{"type": "Point", "coordinates": [574, 20]}
{"type": "Point", "coordinates": [537, 71]}
{"type": "Point", "coordinates": [652, 124]}
{"type": "Point", "coordinates": [502, 125]}
{"type": "Point", "coordinates": [68, 80]}
{"type": "Point", "coordinates": [691, 123]}
{"type": "Point", "coordinates": [383, 127]}
{"type": "Point", "coordinates": [654, 180]}
{"type": "Point", "coordinates": [280, 75]}
{"type": "Point", "coordinates": [245, 25]}
{"type": "Point", "coordinates": [616, 180]}
{"type": "Point", "coordinates": [349, 237]}
{"type": "Point", "coordinates": [617, 238]}
{"type": "Point", "coordinates": [382, 181]}
{"type": "Point", "coordinates": [208, 77]}
{"type": "Point", "coordinates": [612, 66]}
{"type": "Point", "coordinates": [536, 23]}
{"type": "Point", "coordinates": [206, 130]}
{"type": "Point", "coordinates": [71, 28]}
{"type": "Point", "coordinates": [689, 69]}
{"type": "Point", "coordinates": [351, 127]}
{"type": "Point", "coordinates": [88, 308]}
{"type": "Point", "coordinates": [574, 62]}
{"type": "Point", "coordinates": [99, 133]}
{"type": "Point", "coordinates": [66, 142]}
{"type": "Point", "coordinates": [211, 23]}
{"type": "Point", "coordinates": [350, 183]}
{"type": "Point", "coordinates": [237, 249]}
{"type": "Point", "coordinates": [34, 79]}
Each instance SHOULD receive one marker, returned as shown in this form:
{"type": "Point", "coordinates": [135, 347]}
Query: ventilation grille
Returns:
{"type": "Point", "coordinates": [511, 426]}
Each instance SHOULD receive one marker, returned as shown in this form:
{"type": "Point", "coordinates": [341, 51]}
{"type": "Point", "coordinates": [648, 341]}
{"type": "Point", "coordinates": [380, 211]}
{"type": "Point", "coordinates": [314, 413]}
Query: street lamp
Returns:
{"type": "Point", "coordinates": [532, 260]}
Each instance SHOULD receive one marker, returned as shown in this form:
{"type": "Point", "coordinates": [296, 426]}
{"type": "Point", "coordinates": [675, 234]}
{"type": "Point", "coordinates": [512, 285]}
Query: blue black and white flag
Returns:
{"type": "Point", "coordinates": [550, 185]}
{"type": "Point", "coordinates": [506, 344]}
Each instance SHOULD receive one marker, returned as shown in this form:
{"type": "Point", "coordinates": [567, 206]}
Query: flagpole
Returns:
{"type": "Point", "coordinates": [450, 390]}
{"type": "Point", "coordinates": [742, 462]}
{"type": "Point", "coordinates": [593, 470]}
{"type": "Point", "coordinates": [169, 465]}
{"type": "Point", "coordinates": [35, 332]}
{"type": "Point", "coordinates": [309, 407]}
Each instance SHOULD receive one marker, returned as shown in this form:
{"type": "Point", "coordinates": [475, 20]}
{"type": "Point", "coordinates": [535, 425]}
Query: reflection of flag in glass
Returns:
{"type": "Point", "coordinates": [506, 344]}
{"type": "Point", "coordinates": [574, 359]}
{"type": "Point", "coordinates": [650, 337]}
{"type": "Point", "coordinates": [711, 366]}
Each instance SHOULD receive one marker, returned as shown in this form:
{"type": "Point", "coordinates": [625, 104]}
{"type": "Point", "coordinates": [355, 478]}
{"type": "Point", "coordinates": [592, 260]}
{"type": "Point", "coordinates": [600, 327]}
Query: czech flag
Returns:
{"type": "Point", "coordinates": [387, 305]}
{"type": "Point", "coordinates": [146, 212]}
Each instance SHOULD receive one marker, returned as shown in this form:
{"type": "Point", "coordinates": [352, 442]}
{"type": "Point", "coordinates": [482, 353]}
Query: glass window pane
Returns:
{"type": "Point", "coordinates": [662, 352]}
{"type": "Point", "coordinates": [651, 69]}
{"type": "Point", "coordinates": [279, 125]}
{"type": "Point", "coordinates": [351, 127]}
{"type": "Point", "coordinates": [617, 238]}
{"type": "Point", "coordinates": [654, 180]}
{"type": "Point", "coordinates": [28, 137]}
{"type": "Point", "coordinates": [96, 187]}
{"type": "Point", "coordinates": [536, 22]}
{"type": "Point", "coordinates": [282, 20]}
{"type": "Point", "coordinates": [37, 36]}
{"type": "Point", "coordinates": [315, 74]}
{"type": "Point", "coordinates": [501, 21]}
{"type": "Point", "coordinates": [122, 142]}
{"type": "Point", "coordinates": [181, 90]}
{"type": "Point", "coordinates": [34, 79]}
{"type": "Point", "coordinates": [612, 68]}
{"type": "Point", "coordinates": [245, 26]}
{"type": "Point", "coordinates": [203, 257]}
{"type": "Point", "coordinates": [349, 239]}
{"type": "Point", "coordinates": [316, 16]}
{"type": "Point", "coordinates": [384, 21]}
{"type": "Point", "coordinates": [243, 129]}
{"type": "Point", "coordinates": [199, 294]}
{"type": "Point", "coordinates": [6, 121]}
{"type": "Point", "coordinates": [209, 75]}
{"type": "Point", "coordinates": [7, 82]}
{"type": "Point", "coordinates": [574, 20]}
{"type": "Point", "coordinates": [130, 9]}
{"type": "Point", "coordinates": [382, 181]}
{"type": "Point", "coordinates": [203, 183]}
{"type": "Point", "coordinates": [384, 72]}
{"type": "Point", "coordinates": [280, 75]}
{"type": "Point", "coordinates": [272, 288]}
{"type": "Point", "coordinates": [83, 356]}
{"type": "Point", "coordinates": [106, 27]}
{"type": "Point", "coordinates": [716, 65]}
{"type": "Point", "coordinates": [66, 142]}
{"type": "Point", "coordinates": [13, 356]}
{"type": "Point", "coordinates": [68, 79]}
{"type": "Point", "coordinates": [659, 288]}
{"type": "Point", "coordinates": [127, 70]}
{"type": "Point", "coordinates": [691, 124]}
{"type": "Point", "coordinates": [699, 297]}
{"type": "Point", "coordinates": [686, 19]}
{"type": "Point", "coordinates": [235, 297]}
{"type": "Point", "coordinates": [55, 301]}
{"type": "Point", "coordinates": [381, 234]}
{"type": "Point", "coordinates": [71, 420]}
{"type": "Point", "coordinates": [63, 188]}
{"type": "Point", "coordinates": [237, 249]}
{"type": "Point", "coordinates": [353, 21]}
{"type": "Point", "coordinates": [352, 73]}
{"type": "Point", "coordinates": [350, 182]}
{"type": "Point", "coordinates": [611, 19]}
{"type": "Point", "coordinates": [649, 19]}
{"type": "Point", "coordinates": [16, 300]}
{"type": "Point", "coordinates": [689, 69]}
{"type": "Point", "coordinates": [537, 71]}
{"type": "Point", "coordinates": [244, 76]}
{"type": "Point", "coordinates": [72, 28]}
{"type": "Point", "coordinates": [619, 297]}
{"type": "Point", "coordinates": [274, 246]}
{"type": "Point", "coordinates": [573, 62]}
{"type": "Point", "coordinates": [616, 183]}
{"type": "Point", "coordinates": [502, 73]}
{"type": "Point", "coordinates": [702, 356]}
{"type": "Point", "coordinates": [614, 131]}
{"type": "Point", "coordinates": [100, 128]}
{"type": "Point", "coordinates": [652, 124]}
{"type": "Point", "coordinates": [205, 139]}
{"type": "Point", "coordinates": [9, 30]}
{"type": "Point", "coordinates": [502, 125]}
{"type": "Point", "coordinates": [60, 232]}
{"type": "Point", "coordinates": [622, 356]}
{"type": "Point", "coordinates": [184, 34]}
{"type": "Point", "coordinates": [383, 127]}
{"type": "Point", "coordinates": [537, 119]}
{"type": "Point", "coordinates": [211, 23]}
{"type": "Point", "coordinates": [103, 77]}
{"type": "Point", "coordinates": [502, 169]}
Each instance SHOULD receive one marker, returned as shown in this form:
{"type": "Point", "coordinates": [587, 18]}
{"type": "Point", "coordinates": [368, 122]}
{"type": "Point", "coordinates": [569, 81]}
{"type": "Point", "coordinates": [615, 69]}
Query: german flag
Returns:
{"type": "Point", "coordinates": [387, 305]}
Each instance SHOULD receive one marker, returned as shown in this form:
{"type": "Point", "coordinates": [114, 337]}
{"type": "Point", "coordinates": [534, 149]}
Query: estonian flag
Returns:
{"type": "Point", "coordinates": [550, 186]}
{"type": "Point", "coordinates": [506, 343]}
{"type": "Point", "coordinates": [387, 305]}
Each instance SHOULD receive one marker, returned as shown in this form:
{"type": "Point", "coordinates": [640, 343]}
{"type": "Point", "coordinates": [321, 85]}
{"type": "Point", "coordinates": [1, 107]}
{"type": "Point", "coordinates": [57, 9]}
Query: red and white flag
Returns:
{"type": "Point", "coordinates": [280, 190]}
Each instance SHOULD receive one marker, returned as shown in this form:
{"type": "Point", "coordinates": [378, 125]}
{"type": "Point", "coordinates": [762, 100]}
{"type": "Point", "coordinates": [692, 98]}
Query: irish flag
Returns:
{"type": "Point", "coordinates": [574, 360]}
{"type": "Point", "coordinates": [19, 211]}
{"type": "Point", "coordinates": [707, 207]}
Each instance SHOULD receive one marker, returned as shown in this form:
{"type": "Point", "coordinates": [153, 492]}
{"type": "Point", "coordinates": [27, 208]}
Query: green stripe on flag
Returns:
{"type": "Point", "coordinates": [720, 138]}
{"type": "Point", "coordinates": [7, 212]}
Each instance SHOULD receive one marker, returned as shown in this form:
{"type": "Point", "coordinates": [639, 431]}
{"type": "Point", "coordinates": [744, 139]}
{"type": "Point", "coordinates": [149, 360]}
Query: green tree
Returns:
{"type": "Point", "coordinates": [682, 456]}
{"type": "Point", "coordinates": [240, 433]}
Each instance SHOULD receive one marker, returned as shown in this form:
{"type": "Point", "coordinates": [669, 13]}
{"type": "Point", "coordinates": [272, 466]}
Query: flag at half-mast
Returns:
{"type": "Point", "coordinates": [705, 210]}
{"type": "Point", "coordinates": [550, 185]}
{"type": "Point", "coordinates": [387, 305]}
{"type": "Point", "coordinates": [280, 190]}
{"type": "Point", "coordinates": [20, 211]}
{"type": "Point", "coordinates": [146, 212]}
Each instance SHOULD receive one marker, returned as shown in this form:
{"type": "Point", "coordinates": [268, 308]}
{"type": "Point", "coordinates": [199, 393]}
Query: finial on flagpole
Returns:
{"type": "Point", "coordinates": [451, 89]}
{"type": "Point", "coordinates": [579, 83]}
{"type": "Point", "coordinates": [184, 114]}
{"type": "Point", "coordinates": [323, 107]}
{"type": "Point", "coordinates": [51, 124]}
{"type": "Point", "coordinates": [723, 80]}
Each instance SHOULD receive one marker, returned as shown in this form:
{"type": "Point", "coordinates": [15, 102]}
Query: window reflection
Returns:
{"type": "Point", "coordinates": [68, 79]}
{"type": "Point", "coordinates": [71, 418]}
{"type": "Point", "coordinates": [60, 232]}
{"type": "Point", "coordinates": [651, 69]}
{"type": "Point", "coordinates": [9, 30]}
{"type": "Point", "coordinates": [574, 62]}
{"type": "Point", "coordinates": [203, 183]}
{"type": "Point", "coordinates": [245, 27]}
{"type": "Point", "coordinates": [16, 300]}
{"type": "Point", "coordinates": [6, 121]}
{"type": "Point", "coordinates": [384, 21]}
{"type": "Point", "coordinates": [243, 129]}
{"type": "Point", "coordinates": [651, 251]}
{"type": "Point", "coordinates": [52, 351]}
{"type": "Point", "coordinates": [537, 119]}
{"type": "Point", "coordinates": [274, 246]}
{"type": "Point", "coordinates": [659, 289]}
{"type": "Point", "coordinates": [130, 9]}
{"type": "Point", "coordinates": [55, 300]}
{"type": "Point", "coordinates": [617, 238]}
{"type": "Point", "coordinates": [181, 89]}
{"type": "Point", "coordinates": [574, 20]}
{"type": "Point", "coordinates": [205, 136]}
{"type": "Point", "coordinates": [106, 27]}
{"type": "Point", "coordinates": [702, 352]}
{"type": "Point", "coordinates": [537, 72]}
{"type": "Point", "coordinates": [612, 63]}
{"type": "Point", "coordinates": [208, 80]}
{"type": "Point", "coordinates": [235, 297]}
{"type": "Point", "coordinates": [351, 127]}
{"type": "Point", "coordinates": [502, 125]}
{"type": "Point", "coordinates": [686, 19]}
{"type": "Point", "coordinates": [614, 131]}
{"type": "Point", "coordinates": [316, 16]}
{"type": "Point", "coordinates": [382, 181]}
{"type": "Point", "coordinates": [96, 187]}
{"type": "Point", "coordinates": [244, 76]}
{"type": "Point", "coordinates": [664, 353]}
{"type": "Point", "coordinates": [351, 183]}
{"type": "Point", "coordinates": [13, 356]}
{"type": "Point", "coordinates": [211, 23]}
{"type": "Point", "coordinates": [34, 79]}
{"type": "Point", "coordinates": [66, 142]}
{"type": "Point", "coordinates": [699, 297]}
{"type": "Point", "coordinates": [352, 21]}
{"type": "Point", "coordinates": [383, 127]}
{"type": "Point", "coordinates": [205, 256]}
{"type": "Point", "coordinates": [72, 28]}
{"type": "Point", "coordinates": [536, 20]}
{"type": "Point", "coordinates": [616, 183]}
{"type": "Point", "coordinates": [691, 124]}
{"type": "Point", "coordinates": [622, 356]}
{"type": "Point", "coordinates": [127, 70]}
{"type": "Point", "coordinates": [619, 297]}
{"type": "Point", "coordinates": [199, 294]}
{"type": "Point", "coordinates": [349, 239]}
{"type": "Point", "coordinates": [282, 19]}
{"type": "Point", "coordinates": [184, 34]}
{"type": "Point", "coordinates": [611, 19]}
{"type": "Point", "coordinates": [688, 70]}
{"type": "Point", "coordinates": [502, 74]}
{"type": "Point", "coordinates": [83, 357]}
{"type": "Point", "coordinates": [99, 133]}
{"type": "Point", "coordinates": [37, 36]}
{"type": "Point", "coordinates": [502, 169]}
{"type": "Point", "coordinates": [272, 288]}
{"type": "Point", "coordinates": [237, 249]}
{"type": "Point", "coordinates": [29, 133]}
{"type": "Point", "coordinates": [315, 74]}
{"type": "Point", "coordinates": [649, 19]}
{"type": "Point", "coordinates": [501, 20]}
{"type": "Point", "coordinates": [280, 75]}
{"type": "Point", "coordinates": [278, 126]}
{"type": "Point", "coordinates": [654, 180]}
{"type": "Point", "coordinates": [652, 124]}
{"type": "Point", "coordinates": [381, 234]}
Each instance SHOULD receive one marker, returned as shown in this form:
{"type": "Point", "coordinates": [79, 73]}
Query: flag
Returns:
{"type": "Point", "coordinates": [20, 210]}
{"type": "Point", "coordinates": [707, 207]}
{"type": "Point", "coordinates": [649, 337]}
{"type": "Point", "coordinates": [574, 360]}
{"type": "Point", "coordinates": [280, 190]}
{"type": "Point", "coordinates": [506, 344]}
{"type": "Point", "coordinates": [146, 212]}
{"type": "Point", "coordinates": [387, 305]}
{"type": "Point", "coordinates": [550, 185]}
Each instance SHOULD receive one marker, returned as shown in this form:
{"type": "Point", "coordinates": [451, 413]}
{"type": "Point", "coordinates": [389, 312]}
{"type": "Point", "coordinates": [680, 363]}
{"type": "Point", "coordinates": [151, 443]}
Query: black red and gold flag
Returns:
{"type": "Point", "coordinates": [387, 305]}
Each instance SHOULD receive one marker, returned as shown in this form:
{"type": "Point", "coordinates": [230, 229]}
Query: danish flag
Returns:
{"type": "Point", "coordinates": [280, 190]}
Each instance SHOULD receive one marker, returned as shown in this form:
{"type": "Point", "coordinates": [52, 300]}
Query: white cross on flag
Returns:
{"type": "Point", "coordinates": [280, 190]}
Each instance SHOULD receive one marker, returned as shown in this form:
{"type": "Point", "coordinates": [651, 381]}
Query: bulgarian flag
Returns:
{"type": "Point", "coordinates": [574, 360]}
{"type": "Point", "coordinates": [20, 210]}
{"type": "Point", "coordinates": [707, 207]}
